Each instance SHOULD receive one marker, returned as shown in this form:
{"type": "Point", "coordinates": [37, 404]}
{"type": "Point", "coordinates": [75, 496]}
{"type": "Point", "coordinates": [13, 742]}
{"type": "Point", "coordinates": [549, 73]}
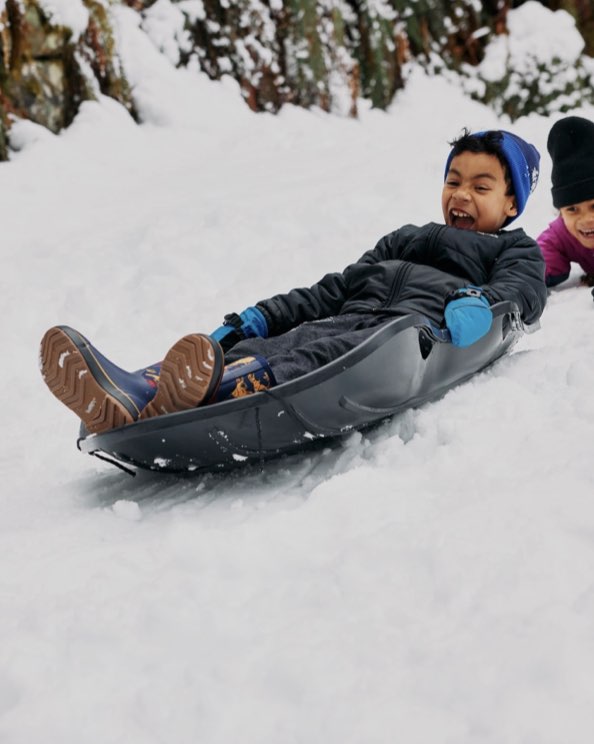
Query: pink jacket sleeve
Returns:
{"type": "Point", "coordinates": [552, 243]}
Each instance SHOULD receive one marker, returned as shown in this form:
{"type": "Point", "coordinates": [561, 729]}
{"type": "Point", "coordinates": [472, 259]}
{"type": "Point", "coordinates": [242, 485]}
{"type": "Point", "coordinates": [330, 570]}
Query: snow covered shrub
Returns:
{"type": "Point", "coordinates": [539, 66]}
{"type": "Point", "coordinates": [279, 52]}
{"type": "Point", "coordinates": [54, 54]}
{"type": "Point", "coordinates": [326, 53]}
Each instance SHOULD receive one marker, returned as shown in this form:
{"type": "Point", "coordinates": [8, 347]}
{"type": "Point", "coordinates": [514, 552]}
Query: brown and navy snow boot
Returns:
{"type": "Point", "coordinates": [104, 396]}
{"type": "Point", "coordinates": [190, 374]}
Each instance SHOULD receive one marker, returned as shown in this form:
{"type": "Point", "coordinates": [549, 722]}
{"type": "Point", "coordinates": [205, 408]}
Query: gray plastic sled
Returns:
{"type": "Point", "coordinates": [407, 362]}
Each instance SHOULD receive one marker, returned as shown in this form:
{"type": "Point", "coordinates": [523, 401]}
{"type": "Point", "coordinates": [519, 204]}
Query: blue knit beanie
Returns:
{"type": "Point", "coordinates": [523, 161]}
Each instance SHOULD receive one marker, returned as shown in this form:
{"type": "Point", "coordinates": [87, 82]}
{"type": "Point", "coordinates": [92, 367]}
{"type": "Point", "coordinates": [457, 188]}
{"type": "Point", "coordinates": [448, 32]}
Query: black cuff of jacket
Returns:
{"type": "Point", "coordinates": [552, 281]}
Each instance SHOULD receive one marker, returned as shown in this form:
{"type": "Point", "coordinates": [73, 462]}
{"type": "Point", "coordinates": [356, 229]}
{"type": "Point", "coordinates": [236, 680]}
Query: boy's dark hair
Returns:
{"type": "Point", "coordinates": [491, 143]}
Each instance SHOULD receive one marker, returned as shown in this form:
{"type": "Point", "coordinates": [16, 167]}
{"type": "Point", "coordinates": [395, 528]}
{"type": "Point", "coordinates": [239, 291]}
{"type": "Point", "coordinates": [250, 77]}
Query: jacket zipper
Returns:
{"type": "Point", "coordinates": [433, 235]}
{"type": "Point", "coordinates": [403, 274]}
{"type": "Point", "coordinates": [397, 284]}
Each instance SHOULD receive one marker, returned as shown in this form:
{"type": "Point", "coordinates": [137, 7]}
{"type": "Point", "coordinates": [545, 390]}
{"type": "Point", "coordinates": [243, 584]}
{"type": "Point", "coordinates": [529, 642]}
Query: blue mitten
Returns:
{"type": "Point", "coordinates": [468, 316]}
{"type": "Point", "coordinates": [248, 324]}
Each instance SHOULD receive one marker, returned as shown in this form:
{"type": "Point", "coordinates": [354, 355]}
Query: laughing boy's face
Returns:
{"type": "Point", "coordinates": [474, 195]}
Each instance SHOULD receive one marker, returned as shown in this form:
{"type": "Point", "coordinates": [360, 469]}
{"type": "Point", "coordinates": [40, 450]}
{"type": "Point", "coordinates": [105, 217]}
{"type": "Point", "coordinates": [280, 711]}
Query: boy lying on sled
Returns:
{"type": "Point", "coordinates": [451, 273]}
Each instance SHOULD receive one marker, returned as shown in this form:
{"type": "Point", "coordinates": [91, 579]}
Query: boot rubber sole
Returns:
{"type": "Point", "coordinates": [190, 375]}
{"type": "Point", "coordinates": [78, 379]}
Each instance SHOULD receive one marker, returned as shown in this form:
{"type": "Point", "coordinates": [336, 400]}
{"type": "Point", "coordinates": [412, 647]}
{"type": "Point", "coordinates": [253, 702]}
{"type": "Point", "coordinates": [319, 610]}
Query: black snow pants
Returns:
{"type": "Point", "coordinates": [310, 345]}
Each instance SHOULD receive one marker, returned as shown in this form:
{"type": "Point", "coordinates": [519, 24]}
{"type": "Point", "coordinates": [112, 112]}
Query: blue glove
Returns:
{"type": "Point", "coordinates": [250, 323]}
{"type": "Point", "coordinates": [468, 316]}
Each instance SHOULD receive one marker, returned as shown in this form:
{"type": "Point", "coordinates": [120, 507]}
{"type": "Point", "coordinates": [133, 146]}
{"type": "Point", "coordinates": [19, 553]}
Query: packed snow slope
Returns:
{"type": "Point", "coordinates": [432, 582]}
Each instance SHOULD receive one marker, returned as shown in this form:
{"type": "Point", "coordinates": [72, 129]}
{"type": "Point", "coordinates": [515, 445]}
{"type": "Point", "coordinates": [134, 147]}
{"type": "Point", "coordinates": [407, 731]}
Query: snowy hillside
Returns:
{"type": "Point", "coordinates": [431, 583]}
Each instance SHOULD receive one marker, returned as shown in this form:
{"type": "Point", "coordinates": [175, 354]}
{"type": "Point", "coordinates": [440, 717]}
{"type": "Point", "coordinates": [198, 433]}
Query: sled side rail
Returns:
{"type": "Point", "coordinates": [405, 363]}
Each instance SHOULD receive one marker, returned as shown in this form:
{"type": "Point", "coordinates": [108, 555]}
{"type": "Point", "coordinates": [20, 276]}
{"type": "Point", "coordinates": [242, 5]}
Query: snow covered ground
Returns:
{"type": "Point", "coordinates": [430, 583]}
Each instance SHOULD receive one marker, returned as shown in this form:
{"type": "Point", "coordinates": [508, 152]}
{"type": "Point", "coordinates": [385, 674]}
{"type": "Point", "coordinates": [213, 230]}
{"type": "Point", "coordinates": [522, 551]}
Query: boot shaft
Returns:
{"type": "Point", "coordinates": [246, 376]}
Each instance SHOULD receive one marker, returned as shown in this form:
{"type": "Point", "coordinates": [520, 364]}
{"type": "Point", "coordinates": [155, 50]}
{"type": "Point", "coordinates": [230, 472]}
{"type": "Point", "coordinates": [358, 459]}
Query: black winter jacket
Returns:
{"type": "Point", "coordinates": [413, 269]}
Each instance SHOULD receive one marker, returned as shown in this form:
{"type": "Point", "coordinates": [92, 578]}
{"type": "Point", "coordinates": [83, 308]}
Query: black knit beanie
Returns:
{"type": "Point", "coordinates": [571, 147]}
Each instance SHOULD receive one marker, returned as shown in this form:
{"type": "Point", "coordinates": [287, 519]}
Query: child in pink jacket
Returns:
{"type": "Point", "coordinates": [570, 238]}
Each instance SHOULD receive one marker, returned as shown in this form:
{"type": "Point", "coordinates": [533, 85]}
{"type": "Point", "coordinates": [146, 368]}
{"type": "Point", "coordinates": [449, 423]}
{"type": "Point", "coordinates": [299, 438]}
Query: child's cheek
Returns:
{"type": "Point", "coordinates": [569, 222]}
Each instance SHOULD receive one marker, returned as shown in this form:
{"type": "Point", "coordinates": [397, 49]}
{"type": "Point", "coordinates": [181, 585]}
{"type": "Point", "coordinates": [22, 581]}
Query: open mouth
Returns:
{"type": "Point", "coordinates": [461, 219]}
{"type": "Point", "coordinates": [587, 234]}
